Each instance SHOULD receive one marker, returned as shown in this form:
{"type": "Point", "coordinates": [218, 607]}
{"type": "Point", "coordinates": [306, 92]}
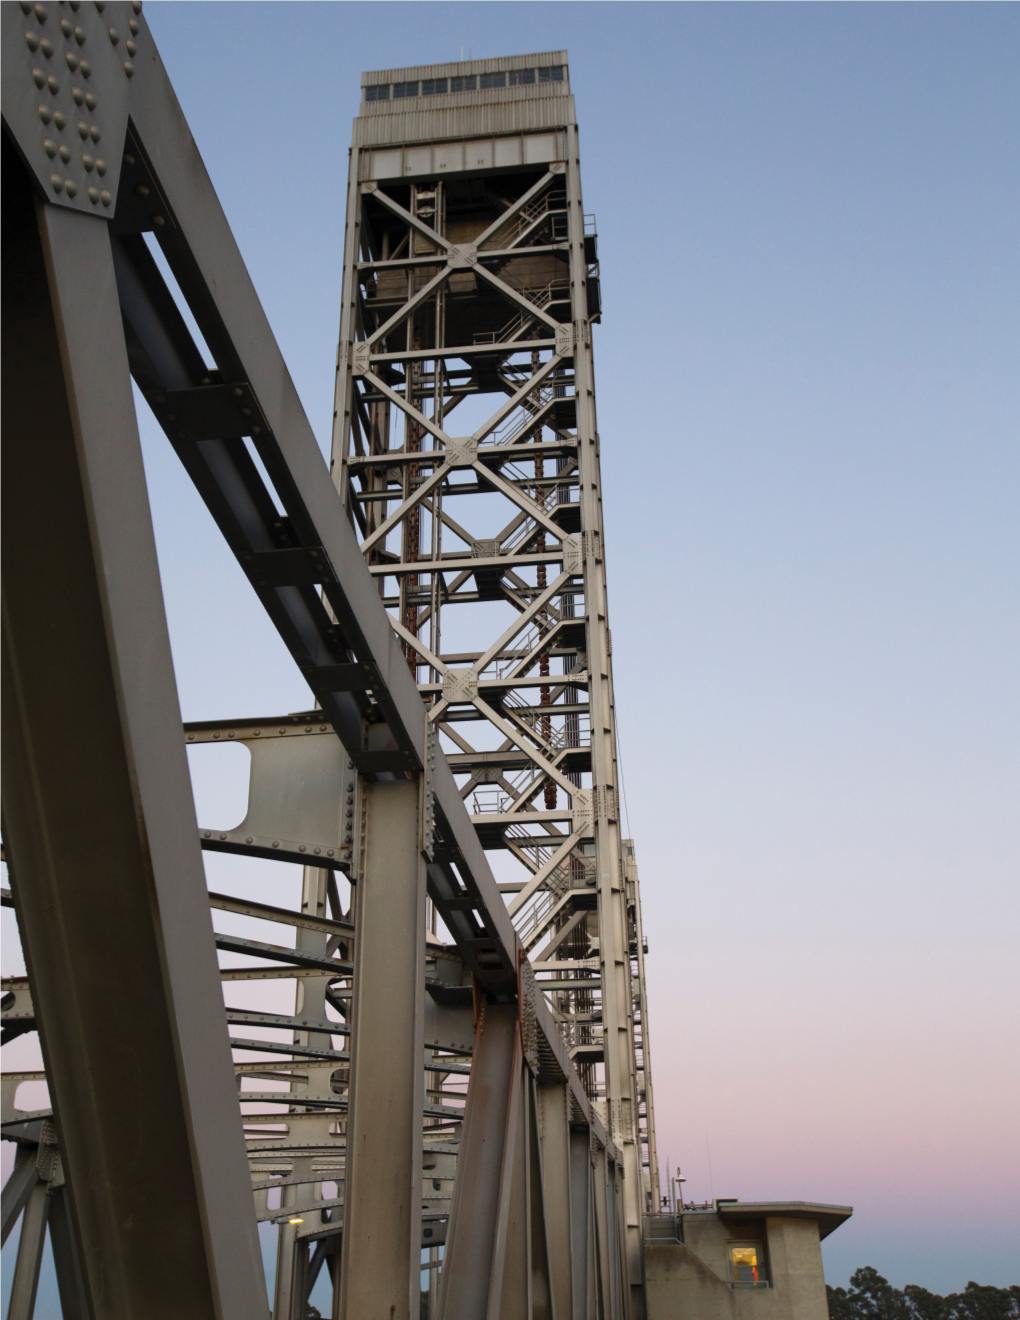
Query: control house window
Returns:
{"type": "Point", "coordinates": [747, 1265]}
{"type": "Point", "coordinates": [471, 83]}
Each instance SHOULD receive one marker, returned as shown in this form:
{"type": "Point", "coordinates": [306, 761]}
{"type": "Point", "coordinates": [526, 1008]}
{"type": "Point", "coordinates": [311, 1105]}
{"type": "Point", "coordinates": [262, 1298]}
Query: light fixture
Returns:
{"type": "Point", "coordinates": [295, 1221]}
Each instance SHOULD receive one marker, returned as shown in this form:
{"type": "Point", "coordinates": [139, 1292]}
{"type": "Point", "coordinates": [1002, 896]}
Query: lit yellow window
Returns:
{"type": "Point", "coordinates": [746, 1264]}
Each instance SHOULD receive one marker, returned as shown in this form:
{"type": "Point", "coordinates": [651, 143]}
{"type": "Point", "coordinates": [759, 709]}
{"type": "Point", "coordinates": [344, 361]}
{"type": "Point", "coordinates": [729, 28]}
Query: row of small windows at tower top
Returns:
{"type": "Point", "coordinates": [473, 83]}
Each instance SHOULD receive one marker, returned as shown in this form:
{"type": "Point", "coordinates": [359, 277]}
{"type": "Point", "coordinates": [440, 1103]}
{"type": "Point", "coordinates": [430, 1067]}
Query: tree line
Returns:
{"type": "Point", "coordinates": [870, 1297]}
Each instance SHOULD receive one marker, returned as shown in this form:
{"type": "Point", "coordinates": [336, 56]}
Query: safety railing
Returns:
{"type": "Point", "coordinates": [527, 218]}
{"type": "Point", "coordinates": [541, 298]}
{"type": "Point", "coordinates": [534, 913]}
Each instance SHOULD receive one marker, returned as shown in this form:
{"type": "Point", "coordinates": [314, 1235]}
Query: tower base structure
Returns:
{"type": "Point", "coordinates": [739, 1260]}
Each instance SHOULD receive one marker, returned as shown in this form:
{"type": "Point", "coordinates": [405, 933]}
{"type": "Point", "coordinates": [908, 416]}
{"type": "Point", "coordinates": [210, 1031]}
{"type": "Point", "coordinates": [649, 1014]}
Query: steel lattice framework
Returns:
{"type": "Point", "coordinates": [470, 287]}
{"type": "Point", "coordinates": [459, 1085]}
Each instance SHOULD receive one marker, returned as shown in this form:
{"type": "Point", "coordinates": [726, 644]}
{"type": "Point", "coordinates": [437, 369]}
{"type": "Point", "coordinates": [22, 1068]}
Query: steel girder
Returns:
{"type": "Point", "coordinates": [137, 1166]}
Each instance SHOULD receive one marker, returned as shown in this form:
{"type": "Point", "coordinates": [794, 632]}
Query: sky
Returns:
{"type": "Point", "coordinates": [807, 382]}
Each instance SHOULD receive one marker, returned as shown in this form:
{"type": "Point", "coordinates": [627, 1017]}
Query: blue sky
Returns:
{"type": "Point", "coordinates": [807, 381]}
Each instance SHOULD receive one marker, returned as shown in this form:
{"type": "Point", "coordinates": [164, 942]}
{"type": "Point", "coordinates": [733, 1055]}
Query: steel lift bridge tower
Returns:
{"type": "Point", "coordinates": [454, 1081]}
{"type": "Point", "coordinates": [466, 450]}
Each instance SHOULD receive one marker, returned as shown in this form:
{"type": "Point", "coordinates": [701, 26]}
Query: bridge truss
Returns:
{"type": "Point", "coordinates": [458, 1088]}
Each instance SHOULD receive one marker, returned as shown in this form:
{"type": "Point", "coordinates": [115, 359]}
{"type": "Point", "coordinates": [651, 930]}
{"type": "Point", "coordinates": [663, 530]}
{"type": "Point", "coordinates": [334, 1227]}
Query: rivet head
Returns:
{"type": "Point", "coordinates": [65, 154]}
{"type": "Point", "coordinates": [66, 27]}
{"type": "Point", "coordinates": [114, 36]}
{"type": "Point", "coordinates": [56, 183]}
{"type": "Point", "coordinates": [59, 118]}
{"type": "Point", "coordinates": [329, 852]}
{"type": "Point", "coordinates": [317, 851]}
{"type": "Point", "coordinates": [89, 164]}
{"type": "Point", "coordinates": [79, 36]}
{"type": "Point", "coordinates": [70, 187]}
{"type": "Point", "coordinates": [86, 69]}
{"type": "Point", "coordinates": [32, 41]}
{"type": "Point", "coordinates": [46, 46]}
{"type": "Point", "coordinates": [249, 839]}
{"type": "Point", "coordinates": [26, 8]}
{"type": "Point", "coordinates": [191, 737]}
{"type": "Point", "coordinates": [94, 133]}
{"type": "Point", "coordinates": [45, 114]}
{"type": "Point", "coordinates": [230, 734]}
{"type": "Point", "coordinates": [105, 197]}
{"type": "Point", "coordinates": [39, 78]}
{"type": "Point", "coordinates": [40, 13]}
{"type": "Point", "coordinates": [276, 843]}
{"type": "Point", "coordinates": [53, 85]}
{"type": "Point", "coordinates": [130, 47]}
{"type": "Point", "coordinates": [322, 728]}
{"type": "Point", "coordinates": [133, 25]}
{"type": "Point", "coordinates": [72, 60]}
{"type": "Point", "coordinates": [90, 101]}
{"type": "Point", "coordinates": [283, 730]}
{"type": "Point", "coordinates": [77, 95]}
{"type": "Point", "coordinates": [83, 129]}
{"type": "Point", "coordinates": [216, 735]}
{"type": "Point", "coordinates": [223, 836]}
{"type": "Point", "coordinates": [136, 5]}
{"type": "Point", "coordinates": [208, 834]}
{"type": "Point", "coordinates": [50, 147]}
{"type": "Point", "coordinates": [158, 221]}
{"type": "Point", "coordinates": [301, 847]}
{"type": "Point", "coordinates": [257, 732]}
{"type": "Point", "coordinates": [142, 190]}
{"type": "Point", "coordinates": [129, 68]}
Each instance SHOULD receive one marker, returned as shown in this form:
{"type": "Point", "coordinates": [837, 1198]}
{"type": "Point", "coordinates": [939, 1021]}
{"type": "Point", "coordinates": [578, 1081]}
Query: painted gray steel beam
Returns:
{"type": "Point", "coordinates": [30, 1253]}
{"type": "Point", "coordinates": [617, 1009]}
{"type": "Point", "coordinates": [381, 1259]}
{"type": "Point", "coordinates": [640, 992]}
{"type": "Point", "coordinates": [467, 1284]}
{"type": "Point", "coordinates": [99, 817]}
{"type": "Point", "coordinates": [555, 1108]}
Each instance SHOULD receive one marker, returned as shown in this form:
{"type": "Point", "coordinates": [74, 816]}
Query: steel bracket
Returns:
{"type": "Point", "coordinates": [460, 685]}
{"type": "Point", "coordinates": [573, 553]}
{"type": "Point", "coordinates": [462, 452]}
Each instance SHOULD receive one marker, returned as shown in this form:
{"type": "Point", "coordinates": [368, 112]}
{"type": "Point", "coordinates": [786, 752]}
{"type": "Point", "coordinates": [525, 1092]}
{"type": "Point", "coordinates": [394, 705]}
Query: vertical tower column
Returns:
{"type": "Point", "coordinates": [617, 1002]}
{"type": "Point", "coordinates": [381, 1258]}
